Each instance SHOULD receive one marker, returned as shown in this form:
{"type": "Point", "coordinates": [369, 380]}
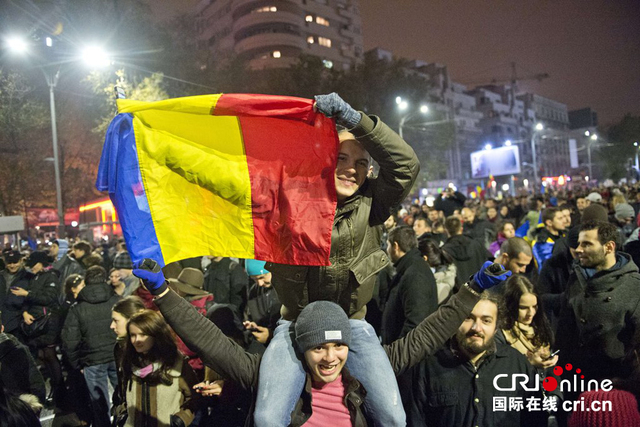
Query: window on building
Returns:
{"type": "Point", "coordinates": [276, 54]}
{"type": "Point", "coordinates": [265, 9]}
{"type": "Point", "coordinates": [322, 21]}
{"type": "Point", "coordinates": [323, 41]}
{"type": "Point", "coordinates": [308, 18]}
{"type": "Point", "coordinates": [310, 40]}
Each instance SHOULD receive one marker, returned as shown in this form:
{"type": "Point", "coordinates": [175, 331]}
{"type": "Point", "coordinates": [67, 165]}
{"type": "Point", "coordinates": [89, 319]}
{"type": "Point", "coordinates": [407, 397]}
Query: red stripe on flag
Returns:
{"type": "Point", "coordinates": [285, 107]}
{"type": "Point", "coordinates": [291, 167]}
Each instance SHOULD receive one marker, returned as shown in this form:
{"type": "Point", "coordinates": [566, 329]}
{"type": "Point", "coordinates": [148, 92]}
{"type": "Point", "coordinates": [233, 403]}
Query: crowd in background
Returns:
{"type": "Point", "coordinates": [74, 317]}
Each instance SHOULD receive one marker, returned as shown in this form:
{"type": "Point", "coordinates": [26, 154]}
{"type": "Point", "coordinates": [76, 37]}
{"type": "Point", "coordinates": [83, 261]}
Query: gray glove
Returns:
{"type": "Point", "coordinates": [333, 106]}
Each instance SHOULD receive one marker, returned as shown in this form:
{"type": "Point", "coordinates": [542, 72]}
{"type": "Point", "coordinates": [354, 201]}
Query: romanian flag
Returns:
{"type": "Point", "coordinates": [234, 175]}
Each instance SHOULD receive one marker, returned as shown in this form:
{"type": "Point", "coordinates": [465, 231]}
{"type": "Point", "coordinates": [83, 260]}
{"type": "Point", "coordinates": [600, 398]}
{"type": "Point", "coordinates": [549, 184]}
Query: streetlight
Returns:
{"type": "Point", "coordinates": [635, 144]}
{"type": "Point", "coordinates": [94, 57]}
{"type": "Point", "coordinates": [402, 106]}
{"type": "Point", "coordinates": [17, 45]}
{"type": "Point", "coordinates": [488, 147]}
{"type": "Point", "coordinates": [507, 143]}
{"type": "Point", "coordinates": [539, 127]}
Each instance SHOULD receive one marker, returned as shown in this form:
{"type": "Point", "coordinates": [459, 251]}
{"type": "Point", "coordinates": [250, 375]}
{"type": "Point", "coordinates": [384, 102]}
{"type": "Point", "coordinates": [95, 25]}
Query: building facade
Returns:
{"type": "Point", "coordinates": [273, 34]}
{"type": "Point", "coordinates": [553, 141]}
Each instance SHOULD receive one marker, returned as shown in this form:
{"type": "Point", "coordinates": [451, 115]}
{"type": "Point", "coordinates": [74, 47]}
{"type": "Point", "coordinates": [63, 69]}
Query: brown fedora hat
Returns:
{"type": "Point", "coordinates": [190, 281]}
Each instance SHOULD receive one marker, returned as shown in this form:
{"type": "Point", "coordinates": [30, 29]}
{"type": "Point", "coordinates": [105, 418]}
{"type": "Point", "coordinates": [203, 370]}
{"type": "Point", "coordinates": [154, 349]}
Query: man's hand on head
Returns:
{"type": "Point", "coordinates": [333, 106]}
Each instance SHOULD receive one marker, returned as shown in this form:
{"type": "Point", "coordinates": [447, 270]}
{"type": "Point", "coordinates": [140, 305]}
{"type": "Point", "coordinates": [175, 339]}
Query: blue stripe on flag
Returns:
{"type": "Point", "coordinates": [119, 174]}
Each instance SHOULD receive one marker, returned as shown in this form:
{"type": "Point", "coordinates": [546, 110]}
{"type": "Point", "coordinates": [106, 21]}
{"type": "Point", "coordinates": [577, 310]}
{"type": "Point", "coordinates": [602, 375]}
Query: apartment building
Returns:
{"type": "Point", "coordinates": [274, 33]}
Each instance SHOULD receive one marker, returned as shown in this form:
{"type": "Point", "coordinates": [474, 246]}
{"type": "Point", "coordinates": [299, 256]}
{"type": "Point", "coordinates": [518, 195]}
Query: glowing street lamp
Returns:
{"type": "Point", "coordinates": [94, 57]}
{"type": "Point", "coordinates": [488, 147]}
{"type": "Point", "coordinates": [17, 45]}
{"type": "Point", "coordinates": [404, 105]}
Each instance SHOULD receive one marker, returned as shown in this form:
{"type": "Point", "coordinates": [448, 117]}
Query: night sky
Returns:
{"type": "Point", "coordinates": [590, 49]}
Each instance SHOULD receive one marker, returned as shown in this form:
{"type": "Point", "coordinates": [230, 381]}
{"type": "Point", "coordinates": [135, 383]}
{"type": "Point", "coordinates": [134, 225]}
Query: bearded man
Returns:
{"type": "Point", "coordinates": [455, 386]}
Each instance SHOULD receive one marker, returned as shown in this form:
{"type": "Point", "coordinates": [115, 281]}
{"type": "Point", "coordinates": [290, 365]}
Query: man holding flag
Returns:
{"type": "Point", "coordinates": [356, 258]}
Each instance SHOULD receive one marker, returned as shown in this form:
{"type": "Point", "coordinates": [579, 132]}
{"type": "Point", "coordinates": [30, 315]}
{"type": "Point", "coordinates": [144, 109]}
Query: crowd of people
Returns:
{"type": "Point", "coordinates": [423, 317]}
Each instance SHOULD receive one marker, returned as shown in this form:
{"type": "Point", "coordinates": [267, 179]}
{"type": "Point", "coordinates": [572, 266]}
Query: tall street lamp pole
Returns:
{"type": "Point", "coordinates": [592, 138]}
{"type": "Point", "coordinates": [538, 127]}
{"type": "Point", "coordinates": [52, 81]}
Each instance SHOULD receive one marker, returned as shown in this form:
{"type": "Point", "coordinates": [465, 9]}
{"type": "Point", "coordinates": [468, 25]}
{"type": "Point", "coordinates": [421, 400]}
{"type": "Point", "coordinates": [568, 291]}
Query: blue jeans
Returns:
{"type": "Point", "coordinates": [98, 378]}
{"type": "Point", "coordinates": [282, 378]}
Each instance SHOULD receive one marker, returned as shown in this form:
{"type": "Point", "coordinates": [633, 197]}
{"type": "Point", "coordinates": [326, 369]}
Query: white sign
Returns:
{"type": "Point", "coordinates": [11, 224]}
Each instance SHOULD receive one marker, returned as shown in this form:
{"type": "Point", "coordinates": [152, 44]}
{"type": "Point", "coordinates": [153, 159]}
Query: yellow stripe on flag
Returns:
{"type": "Point", "coordinates": [201, 104]}
{"type": "Point", "coordinates": [196, 178]}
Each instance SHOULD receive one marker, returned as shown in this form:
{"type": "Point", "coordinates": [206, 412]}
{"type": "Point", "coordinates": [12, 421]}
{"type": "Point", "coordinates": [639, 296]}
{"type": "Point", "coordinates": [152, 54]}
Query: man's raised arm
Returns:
{"type": "Point", "coordinates": [199, 334]}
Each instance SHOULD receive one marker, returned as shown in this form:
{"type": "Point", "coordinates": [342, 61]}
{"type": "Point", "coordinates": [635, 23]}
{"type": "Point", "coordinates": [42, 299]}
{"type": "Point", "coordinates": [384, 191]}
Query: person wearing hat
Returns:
{"type": "Point", "coordinates": [14, 275]}
{"type": "Point", "coordinates": [262, 310]}
{"type": "Point", "coordinates": [190, 285]}
{"type": "Point", "coordinates": [593, 198]}
{"type": "Point", "coordinates": [41, 300]}
{"type": "Point", "coordinates": [123, 266]}
{"type": "Point", "coordinates": [323, 336]}
{"type": "Point", "coordinates": [623, 218]}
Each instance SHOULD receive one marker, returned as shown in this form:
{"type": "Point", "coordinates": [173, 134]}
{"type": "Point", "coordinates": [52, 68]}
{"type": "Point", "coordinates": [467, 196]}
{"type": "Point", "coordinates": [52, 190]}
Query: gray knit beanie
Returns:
{"type": "Point", "coordinates": [624, 211]}
{"type": "Point", "coordinates": [322, 322]}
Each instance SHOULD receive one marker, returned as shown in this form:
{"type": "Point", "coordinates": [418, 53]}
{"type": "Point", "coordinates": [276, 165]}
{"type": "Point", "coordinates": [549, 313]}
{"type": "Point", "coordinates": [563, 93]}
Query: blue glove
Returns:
{"type": "Point", "coordinates": [333, 106]}
{"type": "Point", "coordinates": [490, 275]}
{"type": "Point", "coordinates": [151, 274]}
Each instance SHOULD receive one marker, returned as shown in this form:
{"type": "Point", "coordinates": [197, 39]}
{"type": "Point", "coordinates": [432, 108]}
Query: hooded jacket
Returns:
{"type": "Point", "coordinates": [468, 255]}
{"type": "Point", "coordinates": [356, 256]}
{"type": "Point", "coordinates": [600, 319]}
{"type": "Point", "coordinates": [87, 338]}
{"type": "Point", "coordinates": [18, 370]}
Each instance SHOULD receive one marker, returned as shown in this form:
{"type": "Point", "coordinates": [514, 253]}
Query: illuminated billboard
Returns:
{"type": "Point", "coordinates": [496, 162]}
